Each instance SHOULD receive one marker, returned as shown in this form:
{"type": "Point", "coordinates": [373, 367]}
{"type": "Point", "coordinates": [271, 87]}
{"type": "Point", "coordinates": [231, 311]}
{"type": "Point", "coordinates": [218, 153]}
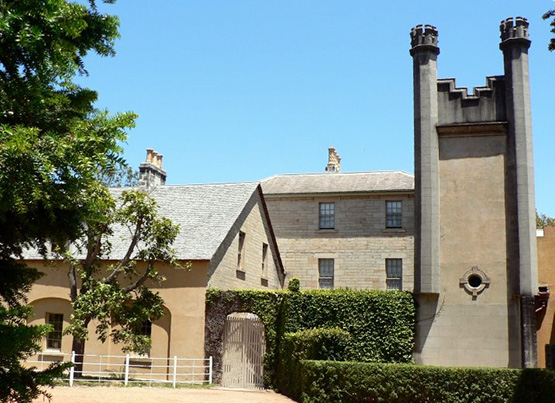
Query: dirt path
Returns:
{"type": "Point", "coordinates": [92, 394]}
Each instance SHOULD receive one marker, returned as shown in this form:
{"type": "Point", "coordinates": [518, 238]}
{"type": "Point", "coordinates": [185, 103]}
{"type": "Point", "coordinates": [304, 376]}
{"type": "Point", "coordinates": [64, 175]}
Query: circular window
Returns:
{"type": "Point", "coordinates": [474, 281]}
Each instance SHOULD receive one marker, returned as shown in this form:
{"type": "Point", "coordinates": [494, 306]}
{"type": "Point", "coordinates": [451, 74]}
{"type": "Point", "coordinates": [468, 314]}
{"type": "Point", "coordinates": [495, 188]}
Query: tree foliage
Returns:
{"type": "Point", "coordinates": [548, 15]}
{"type": "Point", "coordinates": [53, 146]}
{"type": "Point", "coordinates": [115, 292]}
{"type": "Point", "coordinates": [543, 220]}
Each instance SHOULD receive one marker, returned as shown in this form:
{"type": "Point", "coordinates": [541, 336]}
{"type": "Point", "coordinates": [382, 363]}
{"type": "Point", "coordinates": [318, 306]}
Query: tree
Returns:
{"type": "Point", "coordinates": [543, 221]}
{"type": "Point", "coordinates": [547, 15]}
{"type": "Point", "coordinates": [117, 293]}
{"type": "Point", "coordinates": [53, 147]}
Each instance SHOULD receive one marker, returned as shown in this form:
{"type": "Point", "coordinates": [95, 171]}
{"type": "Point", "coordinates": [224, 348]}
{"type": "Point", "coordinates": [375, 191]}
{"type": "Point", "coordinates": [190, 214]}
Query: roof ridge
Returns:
{"type": "Point", "coordinates": [338, 174]}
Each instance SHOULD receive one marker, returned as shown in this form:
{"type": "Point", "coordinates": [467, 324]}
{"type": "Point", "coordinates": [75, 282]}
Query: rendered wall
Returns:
{"type": "Point", "coordinates": [179, 332]}
{"type": "Point", "coordinates": [359, 244]}
{"type": "Point", "coordinates": [463, 329]}
{"type": "Point", "coordinates": [476, 271]}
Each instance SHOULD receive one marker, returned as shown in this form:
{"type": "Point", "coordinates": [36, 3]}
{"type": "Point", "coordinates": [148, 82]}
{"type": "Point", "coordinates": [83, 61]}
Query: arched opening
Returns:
{"type": "Point", "coordinates": [56, 312]}
{"type": "Point", "coordinates": [244, 346]}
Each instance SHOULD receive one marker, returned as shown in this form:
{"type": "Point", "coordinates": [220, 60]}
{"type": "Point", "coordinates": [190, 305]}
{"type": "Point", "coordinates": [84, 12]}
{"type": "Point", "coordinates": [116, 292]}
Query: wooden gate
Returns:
{"type": "Point", "coordinates": [244, 347]}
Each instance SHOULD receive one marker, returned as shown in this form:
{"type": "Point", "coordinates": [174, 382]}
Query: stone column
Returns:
{"type": "Point", "coordinates": [424, 51]}
{"type": "Point", "coordinates": [515, 44]}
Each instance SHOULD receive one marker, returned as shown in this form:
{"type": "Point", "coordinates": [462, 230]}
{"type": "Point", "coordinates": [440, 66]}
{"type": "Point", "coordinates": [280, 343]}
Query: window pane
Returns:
{"type": "Point", "coordinates": [54, 338]}
{"type": "Point", "coordinates": [394, 274]}
{"type": "Point", "coordinates": [327, 216]}
{"type": "Point", "coordinates": [326, 273]}
{"type": "Point", "coordinates": [394, 214]}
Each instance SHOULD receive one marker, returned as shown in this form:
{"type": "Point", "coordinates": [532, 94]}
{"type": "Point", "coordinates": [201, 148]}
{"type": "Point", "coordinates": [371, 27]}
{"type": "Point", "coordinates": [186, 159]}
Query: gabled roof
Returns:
{"type": "Point", "coordinates": [205, 214]}
{"type": "Point", "coordinates": [355, 182]}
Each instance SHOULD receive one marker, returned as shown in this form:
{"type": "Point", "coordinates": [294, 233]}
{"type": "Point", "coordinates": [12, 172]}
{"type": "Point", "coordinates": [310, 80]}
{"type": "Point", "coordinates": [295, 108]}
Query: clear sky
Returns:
{"type": "Point", "coordinates": [232, 91]}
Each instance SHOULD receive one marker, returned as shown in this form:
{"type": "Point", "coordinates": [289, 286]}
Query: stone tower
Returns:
{"type": "Point", "coordinates": [475, 245]}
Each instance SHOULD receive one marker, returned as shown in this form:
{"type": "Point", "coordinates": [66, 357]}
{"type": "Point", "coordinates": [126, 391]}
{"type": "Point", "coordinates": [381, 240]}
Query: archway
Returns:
{"type": "Point", "coordinates": [244, 346]}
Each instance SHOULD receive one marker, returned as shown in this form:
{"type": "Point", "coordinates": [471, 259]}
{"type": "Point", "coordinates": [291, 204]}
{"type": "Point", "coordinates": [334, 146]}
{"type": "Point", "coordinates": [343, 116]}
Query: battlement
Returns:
{"type": "Point", "coordinates": [512, 28]}
{"type": "Point", "coordinates": [450, 85]}
{"type": "Point", "coordinates": [458, 106]}
{"type": "Point", "coordinates": [424, 37]}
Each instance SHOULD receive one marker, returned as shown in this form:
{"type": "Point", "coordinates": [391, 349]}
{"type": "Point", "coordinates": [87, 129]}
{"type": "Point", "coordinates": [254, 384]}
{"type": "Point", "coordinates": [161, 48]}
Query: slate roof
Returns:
{"type": "Point", "coordinates": [355, 182]}
{"type": "Point", "coordinates": [205, 214]}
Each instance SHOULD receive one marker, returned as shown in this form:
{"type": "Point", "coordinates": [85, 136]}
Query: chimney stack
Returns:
{"type": "Point", "coordinates": [151, 173]}
{"type": "Point", "coordinates": [334, 161]}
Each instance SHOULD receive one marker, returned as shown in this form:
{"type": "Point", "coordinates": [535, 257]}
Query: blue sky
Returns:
{"type": "Point", "coordinates": [232, 91]}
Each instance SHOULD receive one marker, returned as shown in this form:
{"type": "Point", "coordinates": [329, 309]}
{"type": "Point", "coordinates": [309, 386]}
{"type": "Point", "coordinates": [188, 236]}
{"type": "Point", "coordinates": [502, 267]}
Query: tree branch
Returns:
{"type": "Point", "coordinates": [72, 283]}
{"type": "Point", "coordinates": [141, 280]}
{"type": "Point", "coordinates": [127, 258]}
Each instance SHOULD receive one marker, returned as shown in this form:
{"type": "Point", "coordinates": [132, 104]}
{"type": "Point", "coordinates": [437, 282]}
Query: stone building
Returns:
{"type": "Point", "coordinates": [339, 230]}
{"type": "Point", "coordinates": [225, 234]}
{"type": "Point", "coordinates": [475, 240]}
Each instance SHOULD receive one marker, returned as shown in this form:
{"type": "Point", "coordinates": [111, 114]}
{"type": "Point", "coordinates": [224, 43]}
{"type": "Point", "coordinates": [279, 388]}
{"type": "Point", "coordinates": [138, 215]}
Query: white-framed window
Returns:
{"type": "Point", "coordinates": [54, 338]}
{"type": "Point", "coordinates": [394, 214]}
{"type": "Point", "coordinates": [326, 216]}
{"type": "Point", "coordinates": [241, 251]}
{"type": "Point", "coordinates": [325, 273]}
{"type": "Point", "coordinates": [394, 274]}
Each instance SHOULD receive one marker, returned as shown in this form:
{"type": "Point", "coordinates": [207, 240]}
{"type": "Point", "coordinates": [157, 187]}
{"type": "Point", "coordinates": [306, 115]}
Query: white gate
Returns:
{"type": "Point", "coordinates": [244, 347]}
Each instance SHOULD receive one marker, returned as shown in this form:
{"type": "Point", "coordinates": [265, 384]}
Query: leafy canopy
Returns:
{"type": "Point", "coordinates": [547, 15]}
{"type": "Point", "coordinates": [113, 291]}
{"type": "Point", "coordinates": [53, 146]}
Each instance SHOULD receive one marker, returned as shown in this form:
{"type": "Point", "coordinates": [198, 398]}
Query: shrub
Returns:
{"type": "Point", "coordinates": [311, 344]}
{"type": "Point", "coordinates": [294, 284]}
{"type": "Point", "coordinates": [328, 381]}
{"type": "Point", "coordinates": [381, 323]}
{"type": "Point", "coordinates": [317, 344]}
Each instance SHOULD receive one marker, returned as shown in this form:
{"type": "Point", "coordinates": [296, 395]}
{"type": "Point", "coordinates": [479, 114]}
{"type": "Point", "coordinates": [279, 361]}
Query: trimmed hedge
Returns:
{"type": "Point", "coordinates": [317, 344]}
{"type": "Point", "coordinates": [381, 323]}
{"type": "Point", "coordinates": [328, 381]}
{"type": "Point", "coordinates": [310, 344]}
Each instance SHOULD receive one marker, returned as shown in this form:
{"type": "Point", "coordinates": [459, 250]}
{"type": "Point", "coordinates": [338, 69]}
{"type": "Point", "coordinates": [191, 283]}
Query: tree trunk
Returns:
{"type": "Point", "coordinates": [78, 346]}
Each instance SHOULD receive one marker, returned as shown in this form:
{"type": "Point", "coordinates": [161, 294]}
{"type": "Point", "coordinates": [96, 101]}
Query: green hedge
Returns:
{"type": "Point", "coordinates": [311, 344]}
{"type": "Point", "coordinates": [328, 381]}
{"type": "Point", "coordinates": [381, 323]}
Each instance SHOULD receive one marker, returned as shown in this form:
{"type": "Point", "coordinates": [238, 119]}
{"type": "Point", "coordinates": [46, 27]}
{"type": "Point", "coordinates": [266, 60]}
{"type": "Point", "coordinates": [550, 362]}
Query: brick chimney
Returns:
{"type": "Point", "coordinates": [151, 173]}
{"type": "Point", "coordinates": [334, 161]}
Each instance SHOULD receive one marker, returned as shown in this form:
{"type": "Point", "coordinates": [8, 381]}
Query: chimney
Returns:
{"type": "Point", "coordinates": [334, 161]}
{"type": "Point", "coordinates": [151, 173]}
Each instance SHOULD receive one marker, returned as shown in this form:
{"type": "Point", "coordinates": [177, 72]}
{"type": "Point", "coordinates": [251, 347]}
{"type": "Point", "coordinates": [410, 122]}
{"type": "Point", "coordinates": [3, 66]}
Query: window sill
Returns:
{"type": "Point", "coordinates": [53, 355]}
{"type": "Point", "coordinates": [326, 231]}
{"type": "Point", "coordinates": [52, 352]}
{"type": "Point", "coordinates": [394, 230]}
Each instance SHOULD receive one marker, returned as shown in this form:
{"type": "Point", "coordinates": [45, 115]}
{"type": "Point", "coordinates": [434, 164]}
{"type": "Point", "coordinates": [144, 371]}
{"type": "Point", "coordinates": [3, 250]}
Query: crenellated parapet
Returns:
{"type": "Point", "coordinates": [458, 106]}
{"type": "Point", "coordinates": [424, 38]}
{"type": "Point", "coordinates": [513, 31]}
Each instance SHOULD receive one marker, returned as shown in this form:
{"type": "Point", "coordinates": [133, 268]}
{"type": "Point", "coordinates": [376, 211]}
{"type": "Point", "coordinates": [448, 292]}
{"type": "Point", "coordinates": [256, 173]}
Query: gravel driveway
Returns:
{"type": "Point", "coordinates": [93, 394]}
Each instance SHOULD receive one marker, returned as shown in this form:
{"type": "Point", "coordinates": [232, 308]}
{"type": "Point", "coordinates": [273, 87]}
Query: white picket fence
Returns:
{"type": "Point", "coordinates": [128, 369]}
